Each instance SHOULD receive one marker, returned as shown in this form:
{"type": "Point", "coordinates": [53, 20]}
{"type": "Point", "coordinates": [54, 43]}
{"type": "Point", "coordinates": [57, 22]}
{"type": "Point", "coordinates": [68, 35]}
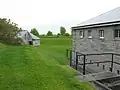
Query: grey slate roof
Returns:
{"type": "Point", "coordinates": [110, 16]}
{"type": "Point", "coordinates": [34, 37]}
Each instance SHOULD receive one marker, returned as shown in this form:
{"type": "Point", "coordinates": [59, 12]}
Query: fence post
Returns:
{"type": "Point", "coordinates": [97, 64]}
{"type": "Point", "coordinates": [112, 63]}
{"type": "Point", "coordinates": [118, 72]}
{"type": "Point", "coordinates": [67, 53]}
{"type": "Point", "coordinates": [70, 57]}
{"type": "Point", "coordinates": [76, 60]}
{"type": "Point", "coordinates": [103, 67]}
{"type": "Point", "coordinates": [84, 65]}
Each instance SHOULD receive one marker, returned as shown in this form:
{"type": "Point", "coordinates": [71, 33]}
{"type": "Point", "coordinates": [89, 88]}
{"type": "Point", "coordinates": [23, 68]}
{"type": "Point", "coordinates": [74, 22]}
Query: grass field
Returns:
{"type": "Point", "coordinates": [38, 68]}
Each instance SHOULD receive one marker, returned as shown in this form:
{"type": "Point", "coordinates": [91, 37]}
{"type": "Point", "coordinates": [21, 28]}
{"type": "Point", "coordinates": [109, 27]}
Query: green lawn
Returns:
{"type": "Point", "coordinates": [38, 68]}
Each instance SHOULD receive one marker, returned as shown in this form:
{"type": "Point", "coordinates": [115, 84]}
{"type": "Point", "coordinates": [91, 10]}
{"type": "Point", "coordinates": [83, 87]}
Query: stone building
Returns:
{"type": "Point", "coordinates": [98, 35]}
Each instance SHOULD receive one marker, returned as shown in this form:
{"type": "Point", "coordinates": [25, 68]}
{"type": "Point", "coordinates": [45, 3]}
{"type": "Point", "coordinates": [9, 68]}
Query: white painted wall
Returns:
{"type": "Point", "coordinates": [36, 42]}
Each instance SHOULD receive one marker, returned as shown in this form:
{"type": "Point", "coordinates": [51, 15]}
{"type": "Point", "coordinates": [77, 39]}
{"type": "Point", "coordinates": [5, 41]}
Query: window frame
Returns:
{"type": "Point", "coordinates": [101, 34]}
{"type": "Point", "coordinates": [89, 33]}
{"type": "Point", "coordinates": [81, 33]}
{"type": "Point", "coordinates": [117, 31]}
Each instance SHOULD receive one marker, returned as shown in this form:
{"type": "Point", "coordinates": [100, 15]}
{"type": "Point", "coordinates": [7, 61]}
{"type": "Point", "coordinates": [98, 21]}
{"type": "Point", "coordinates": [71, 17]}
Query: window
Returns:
{"type": "Point", "coordinates": [81, 34]}
{"type": "Point", "coordinates": [117, 33]}
{"type": "Point", "coordinates": [89, 34]}
{"type": "Point", "coordinates": [101, 33]}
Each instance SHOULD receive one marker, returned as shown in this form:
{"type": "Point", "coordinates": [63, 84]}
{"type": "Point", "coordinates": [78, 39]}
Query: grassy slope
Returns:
{"type": "Point", "coordinates": [38, 68]}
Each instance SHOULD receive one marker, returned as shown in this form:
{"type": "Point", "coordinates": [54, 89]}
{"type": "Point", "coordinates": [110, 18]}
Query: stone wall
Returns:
{"type": "Point", "coordinates": [95, 44]}
{"type": "Point", "coordinates": [87, 45]}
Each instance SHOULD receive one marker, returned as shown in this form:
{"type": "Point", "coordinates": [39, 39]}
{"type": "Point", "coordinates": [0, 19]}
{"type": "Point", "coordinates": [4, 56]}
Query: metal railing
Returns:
{"type": "Point", "coordinates": [78, 54]}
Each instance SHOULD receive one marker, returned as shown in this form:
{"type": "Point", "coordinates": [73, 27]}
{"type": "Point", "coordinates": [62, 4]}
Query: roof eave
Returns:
{"type": "Point", "coordinates": [96, 25]}
{"type": "Point", "coordinates": [35, 39]}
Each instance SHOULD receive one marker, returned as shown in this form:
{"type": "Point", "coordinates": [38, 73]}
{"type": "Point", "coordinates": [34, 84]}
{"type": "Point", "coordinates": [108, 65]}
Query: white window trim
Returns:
{"type": "Point", "coordinates": [82, 34]}
{"type": "Point", "coordinates": [89, 34]}
{"type": "Point", "coordinates": [102, 35]}
{"type": "Point", "coordinates": [118, 33]}
{"type": "Point", "coordinates": [90, 37]}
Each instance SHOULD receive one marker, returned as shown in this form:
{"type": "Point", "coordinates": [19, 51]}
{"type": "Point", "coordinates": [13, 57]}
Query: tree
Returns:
{"type": "Point", "coordinates": [67, 34]}
{"type": "Point", "coordinates": [8, 31]}
{"type": "Point", "coordinates": [62, 30]}
{"type": "Point", "coordinates": [34, 32]}
{"type": "Point", "coordinates": [58, 34]}
{"type": "Point", "coordinates": [49, 33]}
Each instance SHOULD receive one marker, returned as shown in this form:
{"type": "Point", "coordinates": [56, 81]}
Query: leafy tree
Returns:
{"type": "Point", "coordinates": [62, 30]}
{"type": "Point", "coordinates": [49, 33]}
{"type": "Point", "coordinates": [8, 31]}
{"type": "Point", "coordinates": [67, 34]}
{"type": "Point", "coordinates": [58, 34]}
{"type": "Point", "coordinates": [35, 32]}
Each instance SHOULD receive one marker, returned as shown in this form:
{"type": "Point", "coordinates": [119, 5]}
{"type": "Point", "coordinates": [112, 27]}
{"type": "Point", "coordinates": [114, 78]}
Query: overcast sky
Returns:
{"type": "Point", "coordinates": [51, 14]}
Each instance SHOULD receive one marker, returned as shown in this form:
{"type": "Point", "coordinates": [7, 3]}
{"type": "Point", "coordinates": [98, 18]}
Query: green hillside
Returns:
{"type": "Point", "coordinates": [38, 68]}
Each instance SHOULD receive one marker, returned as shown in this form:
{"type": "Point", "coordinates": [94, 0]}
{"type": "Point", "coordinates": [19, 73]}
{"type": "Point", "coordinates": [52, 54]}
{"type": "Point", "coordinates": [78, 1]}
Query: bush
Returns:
{"type": "Point", "coordinates": [12, 41]}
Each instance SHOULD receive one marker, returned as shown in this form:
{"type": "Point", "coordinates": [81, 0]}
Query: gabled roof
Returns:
{"type": "Point", "coordinates": [22, 33]}
{"type": "Point", "coordinates": [108, 17]}
{"type": "Point", "coordinates": [33, 36]}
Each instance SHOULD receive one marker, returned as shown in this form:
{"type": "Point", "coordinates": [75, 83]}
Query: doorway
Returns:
{"type": "Point", "coordinates": [30, 43]}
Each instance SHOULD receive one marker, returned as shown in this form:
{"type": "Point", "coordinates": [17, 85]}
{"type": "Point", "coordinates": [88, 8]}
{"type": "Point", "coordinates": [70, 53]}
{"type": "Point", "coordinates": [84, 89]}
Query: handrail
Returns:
{"type": "Point", "coordinates": [100, 54]}
{"type": "Point", "coordinates": [93, 53]}
{"type": "Point", "coordinates": [116, 63]}
{"type": "Point", "coordinates": [94, 62]}
{"type": "Point", "coordinates": [116, 54]}
{"type": "Point", "coordinates": [78, 54]}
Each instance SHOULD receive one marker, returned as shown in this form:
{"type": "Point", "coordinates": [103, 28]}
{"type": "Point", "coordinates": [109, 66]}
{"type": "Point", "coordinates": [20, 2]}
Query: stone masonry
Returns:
{"type": "Point", "coordinates": [87, 45]}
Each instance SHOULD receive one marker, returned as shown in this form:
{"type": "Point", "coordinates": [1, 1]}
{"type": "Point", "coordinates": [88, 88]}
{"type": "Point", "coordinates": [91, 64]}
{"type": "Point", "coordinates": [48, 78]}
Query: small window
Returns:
{"type": "Point", "coordinates": [117, 33]}
{"type": "Point", "coordinates": [81, 34]}
{"type": "Point", "coordinates": [101, 33]}
{"type": "Point", "coordinates": [89, 34]}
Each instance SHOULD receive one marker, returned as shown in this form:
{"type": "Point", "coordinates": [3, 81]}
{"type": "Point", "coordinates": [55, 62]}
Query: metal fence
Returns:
{"type": "Point", "coordinates": [81, 61]}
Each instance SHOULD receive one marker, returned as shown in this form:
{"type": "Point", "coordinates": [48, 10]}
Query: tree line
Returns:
{"type": "Point", "coordinates": [49, 33]}
{"type": "Point", "coordinates": [9, 30]}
